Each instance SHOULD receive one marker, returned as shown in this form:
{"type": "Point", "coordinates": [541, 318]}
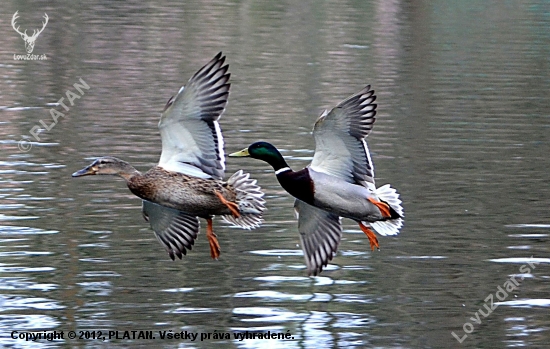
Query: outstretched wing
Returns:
{"type": "Point", "coordinates": [320, 234]}
{"type": "Point", "coordinates": [192, 141]}
{"type": "Point", "coordinates": [340, 147]}
{"type": "Point", "coordinates": [175, 230]}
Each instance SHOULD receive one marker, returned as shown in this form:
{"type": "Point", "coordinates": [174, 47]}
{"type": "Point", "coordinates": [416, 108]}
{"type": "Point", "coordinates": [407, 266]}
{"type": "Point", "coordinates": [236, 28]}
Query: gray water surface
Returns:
{"type": "Point", "coordinates": [462, 132]}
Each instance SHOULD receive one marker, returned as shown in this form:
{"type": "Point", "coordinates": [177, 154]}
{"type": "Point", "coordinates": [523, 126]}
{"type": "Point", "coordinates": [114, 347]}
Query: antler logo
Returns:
{"type": "Point", "coordinates": [29, 40]}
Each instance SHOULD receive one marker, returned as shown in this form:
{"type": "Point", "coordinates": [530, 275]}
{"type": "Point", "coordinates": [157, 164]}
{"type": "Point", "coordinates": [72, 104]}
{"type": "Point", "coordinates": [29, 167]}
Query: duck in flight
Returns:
{"type": "Point", "coordinates": [188, 181]}
{"type": "Point", "coordinates": [339, 182]}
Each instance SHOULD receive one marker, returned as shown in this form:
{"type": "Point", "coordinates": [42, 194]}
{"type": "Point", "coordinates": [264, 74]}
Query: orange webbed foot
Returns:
{"type": "Point", "coordinates": [212, 240]}
{"type": "Point", "coordinates": [383, 207]}
{"type": "Point", "coordinates": [233, 207]}
{"type": "Point", "coordinates": [370, 235]}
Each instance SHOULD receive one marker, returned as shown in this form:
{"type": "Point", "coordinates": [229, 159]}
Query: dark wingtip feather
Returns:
{"type": "Point", "coordinates": [168, 104]}
{"type": "Point", "coordinates": [207, 69]}
{"type": "Point", "coordinates": [219, 57]}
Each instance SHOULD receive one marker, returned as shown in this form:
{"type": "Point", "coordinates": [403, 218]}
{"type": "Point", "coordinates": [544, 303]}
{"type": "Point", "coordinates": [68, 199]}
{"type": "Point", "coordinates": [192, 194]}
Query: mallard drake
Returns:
{"type": "Point", "coordinates": [339, 182]}
{"type": "Point", "coordinates": [187, 182]}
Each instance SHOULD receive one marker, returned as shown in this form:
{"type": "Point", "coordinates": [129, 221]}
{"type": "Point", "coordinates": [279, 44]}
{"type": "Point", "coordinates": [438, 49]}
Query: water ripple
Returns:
{"type": "Point", "coordinates": [352, 298]}
{"type": "Point", "coordinates": [16, 218]}
{"type": "Point", "coordinates": [99, 288]}
{"type": "Point", "coordinates": [4, 269]}
{"type": "Point", "coordinates": [20, 283]}
{"type": "Point", "coordinates": [17, 230]}
{"type": "Point", "coordinates": [278, 252]}
{"type": "Point", "coordinates": [279, 279]}
{"type": "Point", "coordinates": [178, 290]}
{"type": "Point", "coordinates": [101, 274]}
{"type": "Point", "coordinates": [24, 253]}
{"type": "Point", "coordinates": [27, 322]}
{"type": "Point", "coordinates": [421, 257]}
{"type": "Point", "coordinates": [188, 310]}
{"type": "Point", "coordinates": [542, 226]}
{"type": "Point", "coordinates": [351, 320]}
{"type": "Point", "coordinates": [529, 236]}
{"type": "Point", "coordinates": [527, 303]}
{"type": "Point", "coordinates": [255, 314]}
{"type": "Point", "coordinates": [273, 295]}
{"type": "Point", "coordinates": [522, 260]}
{"type": "Point", "coordinates": [10, 302]}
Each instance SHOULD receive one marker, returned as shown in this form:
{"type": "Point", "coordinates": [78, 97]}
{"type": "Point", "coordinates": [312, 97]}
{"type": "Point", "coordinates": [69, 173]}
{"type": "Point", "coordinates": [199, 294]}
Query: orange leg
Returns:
{"type": "Point", "coordinates": [233, 207]}
{"type": "Point", "coordinates": [370, 234]}
{"type": "Point", "coordinates": [383, 207]}
{"type": "Point", "coordinates": [212, 240]}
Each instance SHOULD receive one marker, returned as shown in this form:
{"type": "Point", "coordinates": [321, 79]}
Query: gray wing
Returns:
{"type": "Point", "coordinates": [340, 147]}
{"type": "Point", "coordinates": [320, 234]}
{"type": "Point", "coordinates": [192, 141]}
{"type": "Point", "coordinates": [175, 230]}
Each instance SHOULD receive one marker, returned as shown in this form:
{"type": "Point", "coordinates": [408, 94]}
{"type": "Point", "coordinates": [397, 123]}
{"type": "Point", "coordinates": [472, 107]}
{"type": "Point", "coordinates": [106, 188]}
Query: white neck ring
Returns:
{"type": "Point", "coordinates": [281, 170]}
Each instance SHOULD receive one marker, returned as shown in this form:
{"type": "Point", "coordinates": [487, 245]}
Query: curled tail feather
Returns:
{"type": "Point", "coordinates": [392, 226]}
{"type": "Point", "coordinates": [249, 199]}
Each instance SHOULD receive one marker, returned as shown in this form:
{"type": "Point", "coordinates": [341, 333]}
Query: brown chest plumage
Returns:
{"type": "Point", "coordinates": [298, 184]}
{"type": "Point", "coordinates": [189, 194]}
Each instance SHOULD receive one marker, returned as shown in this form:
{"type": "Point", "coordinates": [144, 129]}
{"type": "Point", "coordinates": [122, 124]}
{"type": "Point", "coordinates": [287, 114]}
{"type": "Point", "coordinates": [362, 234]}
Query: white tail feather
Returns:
{"type": "Point", "coordinates": [391, 226]}
{"type": "Point", "coordinates": [250, 201]}
{"type": "Point", "coordinates": [390, 196]}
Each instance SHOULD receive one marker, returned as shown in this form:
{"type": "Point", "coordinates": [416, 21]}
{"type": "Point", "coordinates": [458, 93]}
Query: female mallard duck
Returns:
{"type": "Point", "coordinates": [187, 182]}
{"type": "Point", "coordinates": [339, 182]}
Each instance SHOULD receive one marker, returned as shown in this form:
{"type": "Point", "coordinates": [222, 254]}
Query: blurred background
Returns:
{"type": "Point", "coordinates": [462, 132]}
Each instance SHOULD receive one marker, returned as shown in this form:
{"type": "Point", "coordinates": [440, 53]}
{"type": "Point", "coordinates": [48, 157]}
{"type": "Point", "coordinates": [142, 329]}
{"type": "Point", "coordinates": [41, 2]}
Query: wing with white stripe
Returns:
{"type": "Point", "coordinates": [192, 142]}
{"type": "Point", "coordinates": [340, 147]}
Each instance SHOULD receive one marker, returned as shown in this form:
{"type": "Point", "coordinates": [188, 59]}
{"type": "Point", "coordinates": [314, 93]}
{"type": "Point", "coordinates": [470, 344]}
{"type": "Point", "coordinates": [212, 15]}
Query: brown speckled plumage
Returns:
{"type": "Point", "coordinates": [189, 194]}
